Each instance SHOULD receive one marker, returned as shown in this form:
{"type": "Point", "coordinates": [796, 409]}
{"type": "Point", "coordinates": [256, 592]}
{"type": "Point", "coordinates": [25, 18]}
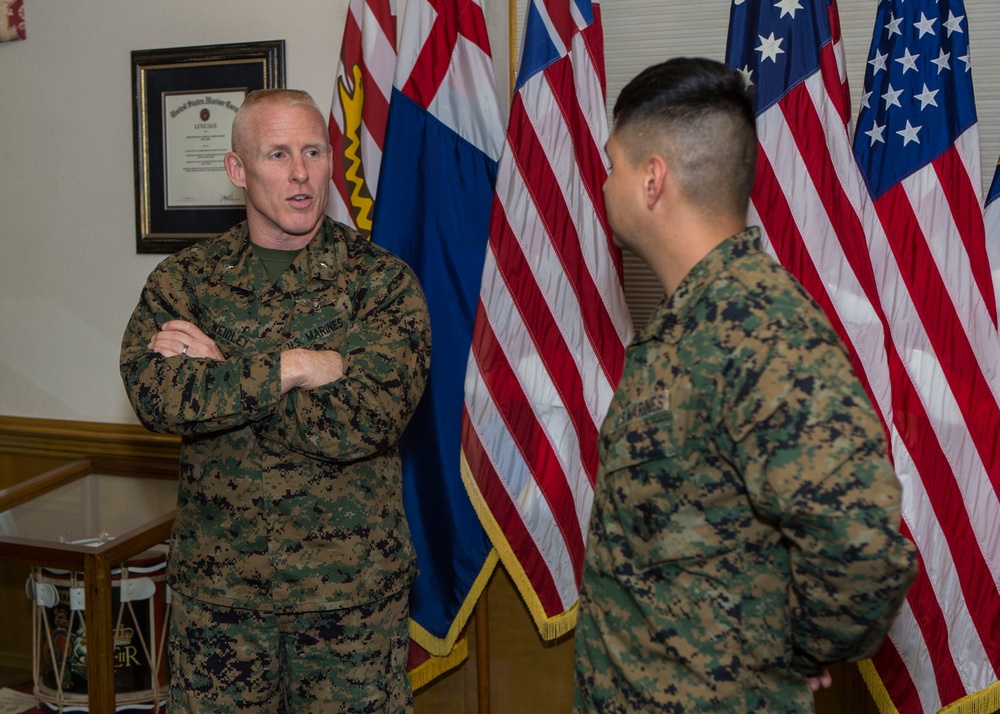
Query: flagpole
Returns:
{"type": "Point", "coordinates": [482, 605]}
{"type": "Point", "coordinates": [483, 654]}
{"type": "Point", "coordinates": [511, 45]}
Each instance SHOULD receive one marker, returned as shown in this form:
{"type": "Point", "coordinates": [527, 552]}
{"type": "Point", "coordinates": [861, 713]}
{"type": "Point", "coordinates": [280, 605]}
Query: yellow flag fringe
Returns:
{"type": "Point", "coordinates": [985, 701]}
{"type": "Point", "coordinates": [436, 666]}
{"type": "Point", "coordinates": [550, 628]}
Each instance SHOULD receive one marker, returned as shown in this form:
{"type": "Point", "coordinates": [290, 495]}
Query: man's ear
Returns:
{"type": "Point", "coordinates": [657, 179]}
{"type": "Point", "coordinates": [234, 167]}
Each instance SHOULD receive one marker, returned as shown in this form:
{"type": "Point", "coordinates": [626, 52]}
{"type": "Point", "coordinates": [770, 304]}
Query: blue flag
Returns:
{"type": "Point", "coordinates": [435, 190]}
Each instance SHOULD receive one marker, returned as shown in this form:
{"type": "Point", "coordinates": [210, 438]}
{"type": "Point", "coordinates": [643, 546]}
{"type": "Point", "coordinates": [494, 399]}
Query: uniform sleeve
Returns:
{"type": "Point", "coordinates": [182, 395]}
{"type": "Point", "coordinates": [814, 461]}
{"type": "Point", "coordinates": [386, 356]}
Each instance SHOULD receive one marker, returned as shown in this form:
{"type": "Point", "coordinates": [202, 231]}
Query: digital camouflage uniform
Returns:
{"type": "Point", "coordinates": [289, 503]}
{"type": "Point", "coordinates": [745, 531]}
{"type": "Point", "coordinates": [347, 660]}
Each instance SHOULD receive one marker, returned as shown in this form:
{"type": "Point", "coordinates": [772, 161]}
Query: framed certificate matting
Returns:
{"type": "Point", "coordinates": [185, 99]}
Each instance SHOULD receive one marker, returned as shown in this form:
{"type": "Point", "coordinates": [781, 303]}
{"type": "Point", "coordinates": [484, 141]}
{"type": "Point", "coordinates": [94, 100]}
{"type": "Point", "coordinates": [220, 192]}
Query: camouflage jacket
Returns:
{"type": "Point", "coordinates": [745, 530]}
{"type": "Point", "coordinates": [294, 502]}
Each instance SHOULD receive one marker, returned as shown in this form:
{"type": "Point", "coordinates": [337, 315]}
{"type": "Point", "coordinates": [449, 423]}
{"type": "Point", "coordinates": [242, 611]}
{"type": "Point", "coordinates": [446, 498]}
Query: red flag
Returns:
{"type": "Point", "coordinates": [360, 108]}
{"type": "Point", "coordinates": [895, 254]}
{"type": "Point", "coordinates": [552, 324]}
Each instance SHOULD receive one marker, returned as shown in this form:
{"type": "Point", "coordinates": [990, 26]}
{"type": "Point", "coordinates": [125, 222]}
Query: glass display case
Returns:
{"type": "Point", "coordinates": [94, 532]}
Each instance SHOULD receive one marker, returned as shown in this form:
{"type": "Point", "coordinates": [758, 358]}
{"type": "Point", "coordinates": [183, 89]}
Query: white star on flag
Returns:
{"type": "Point", "coordinates": [909, 61]}
{"type": "Point", "coordinates": [891, 97]}
{"type": "Point", "coordinates": [788, 7]}
{"type": "Point", "coordinates": [770, 47]}
{"type": "Point", "coordinates": [927, 97]}
{"type": "Point", "coordinates": [954, 23]}
{"type": "Point", "coordinates": [943, 61]}
{"type": "Point", "coordinates": [878, 61]}
{"type": "Point", "coordinates": [876, 132]}
{"type": "Point", "coordinates": [909, 133]}
{"type": "Point", "coordinates": [924, 25]}
{"type": "Point", "coordinates": [893, 25]}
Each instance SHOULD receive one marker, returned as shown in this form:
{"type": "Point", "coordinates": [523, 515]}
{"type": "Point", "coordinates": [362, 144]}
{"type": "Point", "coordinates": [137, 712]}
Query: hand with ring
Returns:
{"type": "Point", "coordinates": [181, 338]}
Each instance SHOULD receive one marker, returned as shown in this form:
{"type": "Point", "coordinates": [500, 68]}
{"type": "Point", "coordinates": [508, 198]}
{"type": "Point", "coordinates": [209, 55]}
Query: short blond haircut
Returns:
{"type": "Point", "coordinates": [269, 97]}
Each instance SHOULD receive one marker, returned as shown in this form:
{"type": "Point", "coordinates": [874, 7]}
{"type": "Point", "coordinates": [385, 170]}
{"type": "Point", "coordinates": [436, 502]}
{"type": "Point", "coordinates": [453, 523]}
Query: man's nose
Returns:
{"type": "Point", "coordinates": [298, 169]}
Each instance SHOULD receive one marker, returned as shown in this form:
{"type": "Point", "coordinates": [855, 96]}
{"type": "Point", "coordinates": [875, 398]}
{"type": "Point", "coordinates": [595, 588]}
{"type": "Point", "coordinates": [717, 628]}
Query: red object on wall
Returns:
{"type": "Point", "coordinates": [12, 22]}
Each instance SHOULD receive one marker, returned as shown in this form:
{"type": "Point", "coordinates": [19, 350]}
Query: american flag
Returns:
{"type": "Point", "coordinates": [552, 323]}
{"type": "Point", "coordinates": [894, 251]}
{"type": "Point", "coordinates": [442, 143]}
{"type": "Point", "coordinates": [360, 108]}
{"type": "Point", "coordinates": [918, 147]}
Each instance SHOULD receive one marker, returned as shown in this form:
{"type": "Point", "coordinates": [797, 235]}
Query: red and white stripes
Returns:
{"type": "Point", "coordinates": [552, 323]}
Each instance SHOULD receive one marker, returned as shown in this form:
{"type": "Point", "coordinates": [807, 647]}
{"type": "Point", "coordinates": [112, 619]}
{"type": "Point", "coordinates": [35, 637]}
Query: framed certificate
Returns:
{"type": "Point", "coordinates": [185, 99]}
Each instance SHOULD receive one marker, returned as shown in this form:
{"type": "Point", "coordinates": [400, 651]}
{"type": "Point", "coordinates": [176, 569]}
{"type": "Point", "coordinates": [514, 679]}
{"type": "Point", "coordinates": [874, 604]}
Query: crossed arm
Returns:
{"type": "Point", "coordinates": [300, 369]}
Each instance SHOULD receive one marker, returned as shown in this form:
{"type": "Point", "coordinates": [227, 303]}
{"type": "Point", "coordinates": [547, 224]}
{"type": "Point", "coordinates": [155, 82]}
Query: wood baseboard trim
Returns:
{"type": "Point", "coordinates": [16, 661]}
{"type": "Point", "coordinates": [59, 438]}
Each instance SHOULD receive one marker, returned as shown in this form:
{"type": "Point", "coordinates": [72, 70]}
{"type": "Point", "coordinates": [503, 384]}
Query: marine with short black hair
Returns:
{"type": "Point", "coordinates": [745, 528]}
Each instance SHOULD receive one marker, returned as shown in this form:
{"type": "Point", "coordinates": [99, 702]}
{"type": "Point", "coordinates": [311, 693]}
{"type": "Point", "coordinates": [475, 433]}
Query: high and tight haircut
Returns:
{"type": "Point", "coordinates": [697, 113]}
{"type": "Point", "coordinates": [270, 97]}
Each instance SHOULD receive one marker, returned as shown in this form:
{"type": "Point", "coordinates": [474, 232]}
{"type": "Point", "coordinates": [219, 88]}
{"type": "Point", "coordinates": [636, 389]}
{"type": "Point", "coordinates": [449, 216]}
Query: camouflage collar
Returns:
{"type": "Point", "coordinates": [320, 260]}
{"type": "Point", "coordinates": [668, 321]}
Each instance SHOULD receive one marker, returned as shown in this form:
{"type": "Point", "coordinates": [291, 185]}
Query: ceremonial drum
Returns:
{"type": "Point", "coordinates": [140, 612]}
